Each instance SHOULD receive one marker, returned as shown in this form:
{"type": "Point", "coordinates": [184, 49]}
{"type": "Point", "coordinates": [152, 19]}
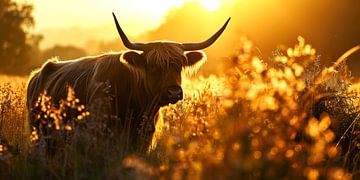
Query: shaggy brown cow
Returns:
{"type": "Point", "coordinates": [139, 82]}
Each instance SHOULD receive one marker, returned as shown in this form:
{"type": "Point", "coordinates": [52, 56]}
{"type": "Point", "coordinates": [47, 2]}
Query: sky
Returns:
{"type": "Point", "coordinates": [136, 16]}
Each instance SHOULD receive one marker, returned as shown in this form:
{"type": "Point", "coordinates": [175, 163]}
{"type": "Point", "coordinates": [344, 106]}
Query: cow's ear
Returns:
{"type": "Point", "coordinates": [194, 57]}
{"type": "Point", "coordinates": [133, 58]}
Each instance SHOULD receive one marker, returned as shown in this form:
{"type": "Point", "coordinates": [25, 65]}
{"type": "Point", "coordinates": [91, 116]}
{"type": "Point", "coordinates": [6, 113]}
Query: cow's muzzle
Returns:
{"type": "Point", "coordinates": [172, 95]}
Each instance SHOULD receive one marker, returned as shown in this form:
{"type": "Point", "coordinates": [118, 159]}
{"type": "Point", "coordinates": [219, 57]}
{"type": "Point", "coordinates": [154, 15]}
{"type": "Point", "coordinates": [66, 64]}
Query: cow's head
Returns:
{"type": "Point", "coordinates": [162, 63]}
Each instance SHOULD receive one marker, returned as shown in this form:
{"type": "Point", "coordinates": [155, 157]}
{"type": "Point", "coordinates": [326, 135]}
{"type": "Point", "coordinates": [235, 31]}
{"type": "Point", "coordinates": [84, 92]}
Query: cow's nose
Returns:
{"type": "Point", "coordinates": [174, 93]}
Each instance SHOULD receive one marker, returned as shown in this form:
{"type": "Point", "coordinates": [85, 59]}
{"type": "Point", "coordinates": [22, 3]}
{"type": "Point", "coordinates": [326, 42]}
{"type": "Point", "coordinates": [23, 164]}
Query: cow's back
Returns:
{"type": "Point", "coordinates": [82, 75]}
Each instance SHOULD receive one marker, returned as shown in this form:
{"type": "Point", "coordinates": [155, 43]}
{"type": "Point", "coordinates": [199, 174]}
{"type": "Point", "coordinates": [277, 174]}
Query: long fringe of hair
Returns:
{"type": "Point", "coordinates": [164, 54]}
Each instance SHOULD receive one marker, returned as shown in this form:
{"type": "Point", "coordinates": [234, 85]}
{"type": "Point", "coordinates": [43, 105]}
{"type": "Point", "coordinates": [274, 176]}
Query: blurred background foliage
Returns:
{"type": "Point", "coordinates": [15, 49]}
{"type": "Point", "coordinates": [19, 47]}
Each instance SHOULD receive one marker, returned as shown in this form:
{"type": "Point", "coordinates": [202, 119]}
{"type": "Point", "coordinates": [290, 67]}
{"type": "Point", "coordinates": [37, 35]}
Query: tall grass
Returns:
{"type": "Point", "coordinates": [288, 117]}
{"type": "Point", "coordinates": [12, 111]}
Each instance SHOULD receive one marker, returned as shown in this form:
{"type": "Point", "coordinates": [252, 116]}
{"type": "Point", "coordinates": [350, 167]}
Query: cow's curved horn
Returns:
{"type": "Point", "coordinates": [125, 40]}
{"type": "Point", "coordinates": [207, 43]}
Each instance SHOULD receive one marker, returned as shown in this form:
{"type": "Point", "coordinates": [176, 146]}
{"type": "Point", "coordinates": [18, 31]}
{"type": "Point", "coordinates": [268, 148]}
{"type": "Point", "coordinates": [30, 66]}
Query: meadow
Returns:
{"type": "Point", "coordinates": [288, 117]}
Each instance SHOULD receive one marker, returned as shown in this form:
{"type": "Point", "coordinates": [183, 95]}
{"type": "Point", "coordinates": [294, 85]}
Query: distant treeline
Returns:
{"type": "Point", "coordinates": [19, 49]}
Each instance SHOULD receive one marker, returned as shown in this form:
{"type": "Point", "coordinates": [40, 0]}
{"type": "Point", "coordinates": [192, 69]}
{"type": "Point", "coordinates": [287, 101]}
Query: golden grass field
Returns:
{"type": "Point", "coordinates": [254, 121]}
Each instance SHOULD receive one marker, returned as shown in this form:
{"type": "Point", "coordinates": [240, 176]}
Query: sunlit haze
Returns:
{"type": "Point", "coordinates": [136, 16]}
{"type": "Point", "coordinates": [330, 26]}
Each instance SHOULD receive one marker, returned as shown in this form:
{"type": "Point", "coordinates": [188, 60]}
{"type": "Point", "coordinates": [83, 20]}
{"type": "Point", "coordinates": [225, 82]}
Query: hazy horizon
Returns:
{"type": "Point", "coordinates": [330, 26]}
{"type": "Point", "coordinates": [95, 21]}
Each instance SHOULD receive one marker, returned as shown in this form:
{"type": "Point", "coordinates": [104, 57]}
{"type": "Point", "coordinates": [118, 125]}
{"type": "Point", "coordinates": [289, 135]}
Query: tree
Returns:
{"type": "Point", "coordinates": [15, 21]}
{"type": "Point", "coordinates": [63, 52]}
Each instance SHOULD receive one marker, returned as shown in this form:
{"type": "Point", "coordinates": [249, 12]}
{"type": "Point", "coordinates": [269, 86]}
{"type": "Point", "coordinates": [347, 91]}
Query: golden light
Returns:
{"type": "Point", "coordinates": [210, 5]}
{"type": "Point", "coordinates": [95, 21]}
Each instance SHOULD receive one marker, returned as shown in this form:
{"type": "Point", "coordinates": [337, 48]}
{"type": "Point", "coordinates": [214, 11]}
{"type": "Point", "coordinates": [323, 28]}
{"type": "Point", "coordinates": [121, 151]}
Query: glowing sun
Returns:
{"type": "Point", "coordinates": [210, 5]}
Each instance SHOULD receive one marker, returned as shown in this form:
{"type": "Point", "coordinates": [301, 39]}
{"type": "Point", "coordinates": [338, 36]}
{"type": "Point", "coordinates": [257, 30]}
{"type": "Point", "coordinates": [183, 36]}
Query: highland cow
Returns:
{"type": "Point", "coordinates": [139, 81]}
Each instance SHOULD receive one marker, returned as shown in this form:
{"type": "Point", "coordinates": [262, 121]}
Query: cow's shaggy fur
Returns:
{"type": "Point", "coordinates": [136, 90]}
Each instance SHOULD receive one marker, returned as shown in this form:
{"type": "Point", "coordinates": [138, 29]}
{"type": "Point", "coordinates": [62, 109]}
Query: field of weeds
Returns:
{"type": "Point", "coordinates": [288, 117]}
